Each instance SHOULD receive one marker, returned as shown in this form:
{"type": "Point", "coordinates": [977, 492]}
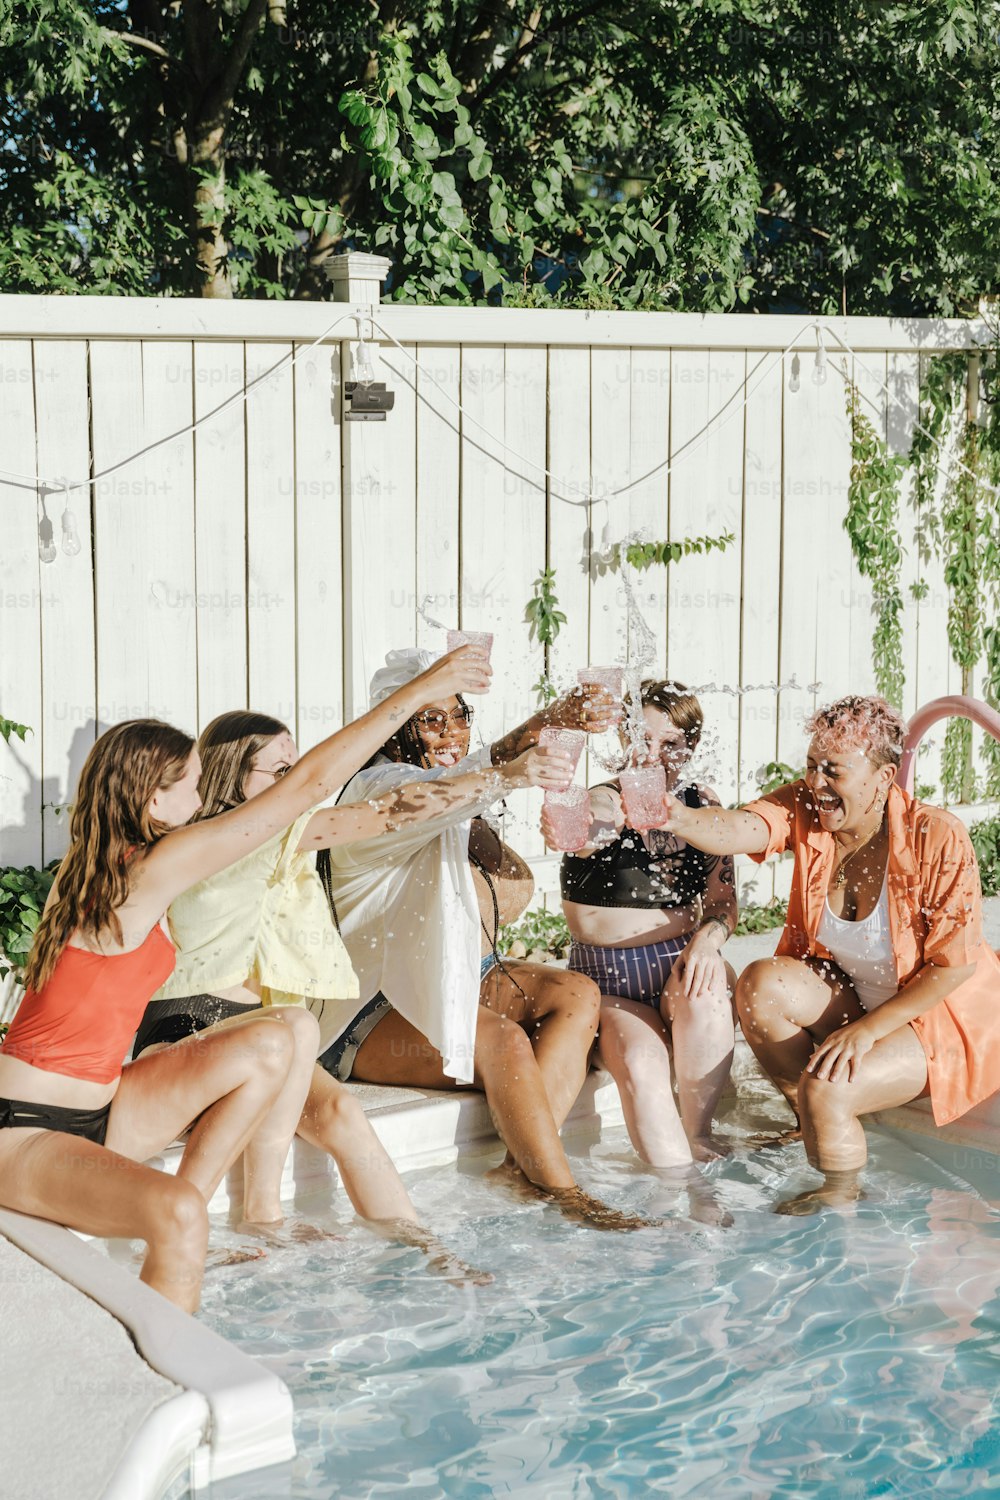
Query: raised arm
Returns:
{"type": "Point", "coordinates": [593, 712]}
{"type": "Point", "coordinates": [187, 855]}
{"type": "Point", "coordinates": [422, 801]}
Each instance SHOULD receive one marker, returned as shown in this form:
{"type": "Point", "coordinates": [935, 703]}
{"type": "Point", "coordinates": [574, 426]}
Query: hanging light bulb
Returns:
{"type": "Point", "coordinates": [793, 379]}
{"type": "Point", "coordinates": [46, 546]}
{"type": "Point", "coordinates": [364, 370]}
{"type": "Point", "coordinates": [70, 535]}
{"type": "Point", "coordinates": [819, 367]}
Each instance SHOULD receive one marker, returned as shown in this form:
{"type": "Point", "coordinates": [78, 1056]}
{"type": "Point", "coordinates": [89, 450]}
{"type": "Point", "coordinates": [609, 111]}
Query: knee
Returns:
{"type": "Point", "coordinates": [270, 1049]}
{"type": "Point", "coordinates": [179, 1215]}
{"type": "Point", "coordinates": [823, 1101]}
{"type": "Point", "coordinates": [339, 1115]}
{"type": "Point", "coordinates": [757, 987]}
{"type": "Point", "coordinates": [501, 1044]}
{"type": "Point", "coordinates": [303, 1028]}
{"type": "Point", "coordinates": [575, 995]}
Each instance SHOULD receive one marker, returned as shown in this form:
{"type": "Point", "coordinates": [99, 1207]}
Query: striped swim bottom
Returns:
{"type": "Point", "coordinates": [629, 973]}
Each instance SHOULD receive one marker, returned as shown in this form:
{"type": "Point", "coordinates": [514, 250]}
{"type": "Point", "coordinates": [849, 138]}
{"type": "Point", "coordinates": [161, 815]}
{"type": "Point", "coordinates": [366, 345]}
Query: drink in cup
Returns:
{"type": "Point", "coordinates": [569, 814]}
{"type": "Point", "coordinates": [569, 741]}
{"type": "Point", "coordinates": [481, 638]}
{"type": "Point", "coordinates": [644, 793]}
{"type": "Point", "coordinates": [611, 679]}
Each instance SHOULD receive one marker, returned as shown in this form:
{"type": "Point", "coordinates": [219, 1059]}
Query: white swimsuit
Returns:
{"type": "Point", "coordinates": [863, 950]}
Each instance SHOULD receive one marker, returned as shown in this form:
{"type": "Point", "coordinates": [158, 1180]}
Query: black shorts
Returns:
{"type": "Point", "coordinates": [171, 1020]}
{"type": "Point", "coordinates": [92, 1124]}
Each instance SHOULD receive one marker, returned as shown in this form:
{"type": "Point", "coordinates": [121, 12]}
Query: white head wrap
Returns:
{"type": "Point", "coordinates": [400, 668]}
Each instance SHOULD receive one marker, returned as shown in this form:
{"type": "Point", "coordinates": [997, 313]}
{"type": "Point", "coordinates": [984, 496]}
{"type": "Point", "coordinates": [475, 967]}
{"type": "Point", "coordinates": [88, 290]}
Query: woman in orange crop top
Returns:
{"type": "Point", "coordinates": [75, 1125]}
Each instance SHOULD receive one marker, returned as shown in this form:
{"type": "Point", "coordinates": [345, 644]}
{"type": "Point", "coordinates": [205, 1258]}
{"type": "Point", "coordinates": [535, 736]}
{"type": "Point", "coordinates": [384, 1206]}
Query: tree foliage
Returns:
{"type": "Point", "coordinates": [690, 154]}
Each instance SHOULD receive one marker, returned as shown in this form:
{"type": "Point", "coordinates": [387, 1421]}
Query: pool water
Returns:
{"type": "Point", "coordinates": [853, 1353]}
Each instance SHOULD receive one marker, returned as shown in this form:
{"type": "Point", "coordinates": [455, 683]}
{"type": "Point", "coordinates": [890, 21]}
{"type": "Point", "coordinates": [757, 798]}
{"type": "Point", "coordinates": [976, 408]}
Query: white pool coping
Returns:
{"type": "Point", "coordinates": [230, 1415]}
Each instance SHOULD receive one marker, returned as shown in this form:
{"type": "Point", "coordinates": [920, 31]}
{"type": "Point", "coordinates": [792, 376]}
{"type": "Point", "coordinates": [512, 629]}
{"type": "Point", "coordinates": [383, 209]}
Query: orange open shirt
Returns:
{"type": "Point", "coordinates": [935, 917]}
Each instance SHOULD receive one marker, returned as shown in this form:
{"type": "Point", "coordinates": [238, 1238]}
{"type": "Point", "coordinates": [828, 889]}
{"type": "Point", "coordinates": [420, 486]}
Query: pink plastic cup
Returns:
{"type": "Point", "coordinates": [569, 814]}
{"type": "Point", "coordinates": [569, 741]}
{"type": "Point", "coordinates": [644, 793]}
{"type": "Point", "coordinates": [481, 638]}
{"type": "Point", "coordinates": [612, 679]}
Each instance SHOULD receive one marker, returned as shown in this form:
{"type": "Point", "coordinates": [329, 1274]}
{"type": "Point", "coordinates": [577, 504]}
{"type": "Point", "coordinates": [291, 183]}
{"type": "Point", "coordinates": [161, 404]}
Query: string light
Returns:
{"type": "Point", "coordinates": [819, 367]}
{"type": "Point", "coordinates": [793, 379]}
{"type": "Point", "coordinates": [70, 535]}
{"type": "Point", "coordinates": [46, 545]}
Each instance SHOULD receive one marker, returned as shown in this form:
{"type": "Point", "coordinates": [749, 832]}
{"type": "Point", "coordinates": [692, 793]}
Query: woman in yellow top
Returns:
{"type": "Point", "coordinates": [262, 933]}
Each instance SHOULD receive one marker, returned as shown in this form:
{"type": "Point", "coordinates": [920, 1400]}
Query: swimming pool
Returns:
{"type": "Point", "coordinates": [855, 1353]}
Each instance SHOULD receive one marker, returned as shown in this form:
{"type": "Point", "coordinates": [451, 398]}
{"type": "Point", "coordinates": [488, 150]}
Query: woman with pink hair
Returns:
{"type": "Point", "coordinates": [882, 989]}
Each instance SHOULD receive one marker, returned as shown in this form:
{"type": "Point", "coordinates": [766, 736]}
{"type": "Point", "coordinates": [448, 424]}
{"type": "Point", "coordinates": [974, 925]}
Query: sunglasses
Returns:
{"type": "Point", "coordinates": [437, 723]}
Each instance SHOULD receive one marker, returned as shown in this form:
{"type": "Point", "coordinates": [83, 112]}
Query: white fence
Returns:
{"type": "Point", "coordinates": [271, 557]}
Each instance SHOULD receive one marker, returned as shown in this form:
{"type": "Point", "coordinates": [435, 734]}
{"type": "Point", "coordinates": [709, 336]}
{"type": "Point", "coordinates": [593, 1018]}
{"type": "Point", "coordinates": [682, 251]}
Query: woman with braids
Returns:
{"type": "Point", "coordinates": [649, 915]}
{"type": "Point", "coordinates": [419, 911]}
{"type": "Point", "coordinates": [262, 932]}
{"type": "Point", "coordinates": [882, 989]}
{"type": "Point", "coordinates": [76, 1125]}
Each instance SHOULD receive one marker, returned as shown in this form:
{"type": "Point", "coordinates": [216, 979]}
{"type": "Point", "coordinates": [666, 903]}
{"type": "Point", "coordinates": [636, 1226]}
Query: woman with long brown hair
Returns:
{"type": "Point", "coordinates": [263, 931]}
{"type": "Point", "coordinates": [75, 1125]}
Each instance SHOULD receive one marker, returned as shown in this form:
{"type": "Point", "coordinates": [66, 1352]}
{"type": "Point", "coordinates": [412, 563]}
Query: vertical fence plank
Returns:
{"type": "Point", "coordinates": [271, 580]}
{"type": "Point", "coordinates": [706, 499]}
{"type": "Point", "coordinates": [438, 461]}
{"type": "Point", "coordinates": [23, 581]}
{"type": "Point", "coordinates": [611, 468]}
{"type": "Point", "coordinates": [136, 597]}
{"type": "Point", "coordinates": [646, 507]}
{"type": "Point", "coordinates": [318, 550]}
{"type": "Point", "coordinates": [168, 528]}
{"type": "Point", "coordinates": [903, 380]}
{"type": "Point", "coordinates": [936, 671]}
{"type": "Point", "coordinates": [220, 530]}
{"type": "Point", "coordinates": [67, 728]}
{"type": "Point", "coordinates": [379, 533]}
{"type": "Point", "coordinates": [569, 461]}
{"type": "Point", "coordinates": [761, 568]}
{"type": "Point", "coordinates": [858, 606]}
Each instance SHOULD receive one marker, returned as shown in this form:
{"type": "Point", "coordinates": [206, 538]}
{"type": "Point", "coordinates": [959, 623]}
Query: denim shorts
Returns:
{"type": "Point", "coordinates": [339, 1058]}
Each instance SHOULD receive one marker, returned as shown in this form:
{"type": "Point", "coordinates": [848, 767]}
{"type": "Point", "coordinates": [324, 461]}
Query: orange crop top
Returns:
{"type": "Point", "coordinates": [82, 1022]}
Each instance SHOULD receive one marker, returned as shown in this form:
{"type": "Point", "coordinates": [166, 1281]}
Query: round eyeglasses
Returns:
{"type": "Point", "coordinates": [436, 722]}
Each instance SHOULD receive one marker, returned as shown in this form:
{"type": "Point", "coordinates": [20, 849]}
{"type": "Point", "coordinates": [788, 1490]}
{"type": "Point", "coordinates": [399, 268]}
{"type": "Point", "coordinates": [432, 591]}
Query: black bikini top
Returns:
{"type": "Point", "coordinates": [625, 873]}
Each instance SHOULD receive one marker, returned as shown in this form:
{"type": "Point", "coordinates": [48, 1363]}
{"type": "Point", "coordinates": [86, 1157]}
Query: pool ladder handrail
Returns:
{"type": "Point", "coordinates": [956, 706]}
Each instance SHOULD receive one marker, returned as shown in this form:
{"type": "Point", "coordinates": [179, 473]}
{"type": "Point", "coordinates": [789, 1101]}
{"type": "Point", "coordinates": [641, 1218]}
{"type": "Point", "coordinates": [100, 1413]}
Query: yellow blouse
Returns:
{"type": "Point", "coordinates": [263, 919]}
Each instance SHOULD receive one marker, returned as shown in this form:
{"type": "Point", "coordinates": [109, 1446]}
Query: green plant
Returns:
{"type": "Point", "coordinates": [538, 930]}
{"type": "Point", "coordinates": [985, 836]}
{"type": "Point", "coordinates": [872, 523]}
{"type": "Point", "coordinates": [545, 620]}
{"type": "Point", "coordinates": [642, 555]}
{"type": "Point", "coordinates": [10, 726]}
{"type": "Point", "coordinates": [22, 896]}
{"type": "Point", "coordinates": [776, 773]}
{"type": "Point", "coordinates": [761, 916]}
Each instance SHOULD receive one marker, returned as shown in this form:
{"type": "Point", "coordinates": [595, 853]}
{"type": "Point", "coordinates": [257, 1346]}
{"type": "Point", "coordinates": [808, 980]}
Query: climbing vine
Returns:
{"type": "Point", "coordinates": [544, 617]}
{"type": "Point", "coordinates": [872, 523]}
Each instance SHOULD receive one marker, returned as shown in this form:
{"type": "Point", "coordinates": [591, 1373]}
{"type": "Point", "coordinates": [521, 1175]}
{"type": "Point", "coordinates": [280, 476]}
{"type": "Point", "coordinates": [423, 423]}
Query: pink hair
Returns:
{"type": "Point", "coordinates": [868, 724]}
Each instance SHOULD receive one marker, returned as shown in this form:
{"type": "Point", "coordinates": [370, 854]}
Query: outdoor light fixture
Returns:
{"type": "Point", "coordinates": [819, 368]}
{"type": "Point", "coordinates": [46, 546]}
{"type": "Point", "coordinates": [365, 398]}
{"type": "Point", "coordinates": [793, 379]}
{"type": "Point", "coordinates": [70, 535]}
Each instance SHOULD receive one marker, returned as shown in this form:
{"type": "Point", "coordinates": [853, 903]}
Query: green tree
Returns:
{"type": "Point", "coordinates": [691, 154]}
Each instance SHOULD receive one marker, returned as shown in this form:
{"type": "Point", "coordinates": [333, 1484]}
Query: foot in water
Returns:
{"type": "Point", "coordinates": [440, 1259]}
{"type": "Point", "coordinates": [771, 1142]}
{"type": "Point", "coordinates": [283, 1234]}
{"type": "Point", "coordinates": [575, 1204]}
{"type": "Point", "coordinates": [710, 1148]}
{"type": "Point", "coordinates": [221, 1256]}
{"type": "Point", "coordinates": [703, 1203]}
{"type": "Point", "coordinates": [838, 1190]}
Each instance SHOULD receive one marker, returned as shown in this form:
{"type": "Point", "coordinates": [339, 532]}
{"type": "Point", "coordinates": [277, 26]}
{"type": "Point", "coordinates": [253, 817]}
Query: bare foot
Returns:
{"type": "Point", "coordinates": [282, 1234]}
{"type": "Point", "coordinates": [710, 1148]}
{"type": "Point", "coordinates": [509, 1175]}
{"type": "Point", "coordinates": [440, 1260]}
{"type": "Point", "coordinates": [769, 1142]}
{"type": "Point", "coordinates": [219, 1258]}
{"type": "Point", "coordinates": [839, 1189]}
{"type": "Point", "coordinates": [578, 1205]}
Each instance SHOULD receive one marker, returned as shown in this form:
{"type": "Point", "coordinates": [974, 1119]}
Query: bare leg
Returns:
{"type": "Point", "coordinates": [334, 1121]}
{"type": "Point", "coordinates": [506, 1071]}
{"type": "Point", "coordinates": [559, 1010]}
{"type": "Point", "coordinates": [786, 1007]}
{"type": "Point", "coordinates": [225, 1079]}
{"type": "Point", "coordinates": [87, 1187]}
{"type": "Point", "coordinates": [703, 1034]}
{"type": "Point", "coordinates": [634, 1047]}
